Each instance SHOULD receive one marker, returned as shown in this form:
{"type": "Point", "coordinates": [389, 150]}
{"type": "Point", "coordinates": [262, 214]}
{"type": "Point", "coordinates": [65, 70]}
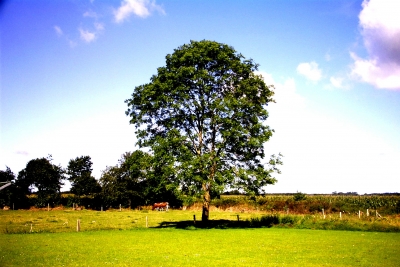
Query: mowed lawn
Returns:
{"type": "Point", "coordinates": [201, 247]}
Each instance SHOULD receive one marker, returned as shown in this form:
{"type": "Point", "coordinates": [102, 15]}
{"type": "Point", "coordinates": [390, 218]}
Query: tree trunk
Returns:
{"type": "Point", "coordinates": [207, 195]}
{"type": "Point", "coordinates": [206, 205]}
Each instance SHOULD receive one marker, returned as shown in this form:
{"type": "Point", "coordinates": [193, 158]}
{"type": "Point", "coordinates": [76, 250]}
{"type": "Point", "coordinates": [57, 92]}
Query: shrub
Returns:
{"type": "Point", "coordinates": [299, 196]}
{"type": "Point", "coordinates": [264, 221]}
{"type": "Point", "coordinates": [288, 219]}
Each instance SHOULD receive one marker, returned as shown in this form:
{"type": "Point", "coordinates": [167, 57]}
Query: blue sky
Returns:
{"type": "Point", "coordinates": [68, 66]}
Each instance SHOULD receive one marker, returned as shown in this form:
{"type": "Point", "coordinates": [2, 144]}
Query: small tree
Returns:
{"type": "Point", "coordinates": [203, 116]}
{"type": "Point", "coordinates": [121, 184]}
{"type": "Point", "coordinates": [79, 171]}
{"type": "Point", "coordinates": [134, 181]}
{"type": "Point", "coordinates": [299, 196]}
{"type": "Point", "coordinates": [44, 176]}
{"type": "Point", "coordinates": [7, 193]}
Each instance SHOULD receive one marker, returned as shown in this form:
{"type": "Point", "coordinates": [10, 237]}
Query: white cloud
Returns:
{"type": "Point", "coordinates": [104, 138]}
{"type": "Point", "coordinates": [310, 71]}
{"type": "Point", "coordinates": [323, 154]}
{"type": "Point", "coordinates": [87, 36]}
{"type": "Point", "coordinates": [285, 93]}
{"type": "Point", "coordinates": [337, 82]}
{"type": "Point", "coordinates": [140, 8]}
{"type": "Point", "coordinates": [24, 153]}
{"type": "Point", "coordinates": [384, 75]}
{"type": "Point", "coordinates": [58, 30]}
{"type": "Point", "coordinates": [90, 36]}
{"type": "Point", "coordinates": [90, 14]}
{"type": "Point", "coordinates": [99, 26]}
{"type": "Point", "coordinates": [380, 29]}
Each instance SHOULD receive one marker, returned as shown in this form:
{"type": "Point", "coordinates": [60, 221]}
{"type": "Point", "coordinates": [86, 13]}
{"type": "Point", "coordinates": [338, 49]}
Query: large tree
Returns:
{"type": "Point", "coordinates": [203, 116]}
{"type": "Point", "coordinates": [79, 171]}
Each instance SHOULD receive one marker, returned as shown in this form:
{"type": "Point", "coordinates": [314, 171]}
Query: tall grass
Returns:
{"type": "Point", "coordinates": [391, 224]}
{"type": "Point", "coordinates": [385, 205]}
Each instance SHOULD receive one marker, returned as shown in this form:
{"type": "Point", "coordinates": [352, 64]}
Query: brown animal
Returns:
{"type": "Point", "coordinates": [161, 206]}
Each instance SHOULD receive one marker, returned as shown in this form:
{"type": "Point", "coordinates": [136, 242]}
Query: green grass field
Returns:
{"type": "Point", "coordinates": [57, 221]}
{"type": "Point", "coordinates": [122, 239]}
{"type": "Point", "coordinates": [212, 247]}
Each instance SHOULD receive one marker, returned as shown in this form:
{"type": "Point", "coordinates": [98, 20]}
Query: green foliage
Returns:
{"type": "Point", "coordinates": [6, 194]}
{"type": "Point", "coordinates": [299, 196]}
{"type": "Point", "coordinates": [45, 177]}
{"type": "Point", "coordinates": [7, 175]}
{"type": "Point", "coordinates": [80, 176]}
{"type": "Point", "coordinates": [134, 182]}
{"type": "Point", "coordinates": [119, 184]}
{"type": "Point", "coordinates": [203, 116]}
{"type": "Point", "coordinates": [264, 221]}
{"type": "Point", "coordinates": [288, 219]}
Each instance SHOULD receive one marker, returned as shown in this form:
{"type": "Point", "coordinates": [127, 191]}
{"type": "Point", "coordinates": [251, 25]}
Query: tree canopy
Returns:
{"type": "Point", "coordinates": [80, 176]}
{"type": "Point", "coordinates": [43, 175]}
{"type": "Point", "coordinates": [6, 194]}
{"type": "Point", "coordinates": [203, 115]}
{"type": "Point", "coordinates": [133, 182]}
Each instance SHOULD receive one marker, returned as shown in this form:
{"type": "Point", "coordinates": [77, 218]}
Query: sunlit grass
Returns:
{"type": "Point", "coordinates": [212, 247]}
{"type": "Point", "coordinates": [22, 221]}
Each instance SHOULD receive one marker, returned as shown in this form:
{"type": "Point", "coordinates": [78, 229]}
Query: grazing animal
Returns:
{"type": "Point", "coordinates": [161, 206]}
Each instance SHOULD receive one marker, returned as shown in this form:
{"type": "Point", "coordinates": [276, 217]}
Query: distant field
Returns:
{"type": "Point", "coordinates": [54, 221]}
{"type": "Point", "coordinates": [212, 247]}
{"type": "Point", "coordinates": [57, 221]}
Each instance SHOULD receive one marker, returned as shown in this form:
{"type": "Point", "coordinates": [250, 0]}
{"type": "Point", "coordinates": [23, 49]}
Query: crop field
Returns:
{"type": "Point", "coordinates": [151, 238]}
{"type": "Point", "coordinates": [306, 204]}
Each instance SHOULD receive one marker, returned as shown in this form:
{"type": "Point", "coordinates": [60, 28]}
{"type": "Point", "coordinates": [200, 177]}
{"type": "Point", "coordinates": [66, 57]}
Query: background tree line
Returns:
{"type": "Point", "coordinates": [130, 183]}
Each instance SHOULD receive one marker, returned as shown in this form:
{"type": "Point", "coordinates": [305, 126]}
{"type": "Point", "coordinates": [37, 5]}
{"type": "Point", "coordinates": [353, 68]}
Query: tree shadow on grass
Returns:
{"type": "Point", "coordinates": [215, 224]}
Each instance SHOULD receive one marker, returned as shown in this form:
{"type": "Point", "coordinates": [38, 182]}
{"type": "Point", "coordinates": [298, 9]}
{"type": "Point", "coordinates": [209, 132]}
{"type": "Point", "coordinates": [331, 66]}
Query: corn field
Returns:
{"type": "Point", "coordinates": [305, 204]}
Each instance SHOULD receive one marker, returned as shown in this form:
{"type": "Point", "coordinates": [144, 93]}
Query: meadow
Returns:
{"type": "Point", "coordinates": [211, 247]}
{"type": "Point", "coordinates": [173, 238]}
{"type": "Point", "coordinates": [66, 220]}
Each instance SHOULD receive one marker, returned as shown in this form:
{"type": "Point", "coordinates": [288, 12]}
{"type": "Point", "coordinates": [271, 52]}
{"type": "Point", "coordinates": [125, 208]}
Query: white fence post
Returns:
{"type": "Point", "coordinates": [78, 225]}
